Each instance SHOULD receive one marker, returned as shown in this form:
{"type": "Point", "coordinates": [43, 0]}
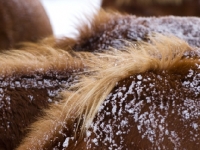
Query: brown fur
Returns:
{"type": "Point", "coordinates": [47, 61]}
{"type": "Point", "coordinates": [105, 70]}
{"type": "Point", "coordinates": [30, 80]}
{"type": "Point", "coordinates": [154, 7]}
{"type": "Point", "coordinates": [38, 58]}
{"type": "Point", "coordinates": [22, 21]}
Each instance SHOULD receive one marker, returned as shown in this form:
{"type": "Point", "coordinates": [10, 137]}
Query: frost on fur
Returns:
{"type": "Point", "coordinates": [84, 109]}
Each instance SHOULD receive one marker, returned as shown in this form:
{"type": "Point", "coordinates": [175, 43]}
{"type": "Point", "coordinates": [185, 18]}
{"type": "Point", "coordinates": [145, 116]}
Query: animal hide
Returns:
{"type": "Point", "coordinates": [137, 90]}
{"type": "Point", "coordinates": [30, 80]}
{"type": "Point", "coordinates": [154, 7]}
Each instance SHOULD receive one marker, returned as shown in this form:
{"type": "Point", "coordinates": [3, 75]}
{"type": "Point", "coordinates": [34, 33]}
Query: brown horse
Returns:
{"type": "Point", "coordinates": [155, 7]}
{"type": "Point", "coordinates": [146, 96]}
{"type": "Point", "coordinates": [22, 21]}
{"type": "Point", "coordinates": [34, 76]}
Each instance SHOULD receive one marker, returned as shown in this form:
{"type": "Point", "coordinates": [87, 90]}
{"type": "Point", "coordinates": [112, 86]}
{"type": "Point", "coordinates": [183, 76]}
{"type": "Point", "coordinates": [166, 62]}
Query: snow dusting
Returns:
{"type": "Point", "coordinates": [119, 29]}
{"type": "Point", "coordinates": [155, 111]}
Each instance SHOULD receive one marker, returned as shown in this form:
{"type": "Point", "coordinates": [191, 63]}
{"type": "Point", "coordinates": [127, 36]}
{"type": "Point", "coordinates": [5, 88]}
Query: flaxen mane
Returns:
{"type": "Point", "coordinates": [128, 78]}
{"type": "Point", "coordinates": [38, 58]}
{"type": "Point", "coordinates": [75, 114]}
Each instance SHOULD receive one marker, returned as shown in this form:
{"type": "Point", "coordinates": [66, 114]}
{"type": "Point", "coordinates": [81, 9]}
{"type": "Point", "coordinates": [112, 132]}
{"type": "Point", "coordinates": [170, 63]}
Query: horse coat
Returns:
{"type": "Point", "coordinates": [134, 96]}
{"type": "Point", "coordinates": [143, 97]}
{"type": "Point", "coordinates": [51, 66]}
{"type": "Point", "coordinates": [154, 7]}
{"type": "Point", "coordinates": [30, 81]}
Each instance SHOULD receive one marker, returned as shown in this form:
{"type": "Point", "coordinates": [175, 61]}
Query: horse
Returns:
{"type": "Point", "coordinates": [144, 96]}
{"type": "Point", "coordinates": [154, 7]}
{"type": "Point", "coordinates": [33, 76]}
{"type": "Point", "coordinates": [22, 21]}
{"type": "Point", "coordinates": [138, 90]}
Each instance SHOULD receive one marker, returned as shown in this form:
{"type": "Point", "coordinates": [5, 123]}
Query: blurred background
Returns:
{"type": "Point", "coordinates": [66, 15]}
{"type": "Point", "coordinates": [155, 7]}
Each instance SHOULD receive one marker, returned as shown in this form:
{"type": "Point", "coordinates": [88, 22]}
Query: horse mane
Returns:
{"type": "Point", "coordinates": [103, 72]}
{"type": "Point", "coordinates": [108, 68]}
{"type": "Point", "coordinates": [38, 58]}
